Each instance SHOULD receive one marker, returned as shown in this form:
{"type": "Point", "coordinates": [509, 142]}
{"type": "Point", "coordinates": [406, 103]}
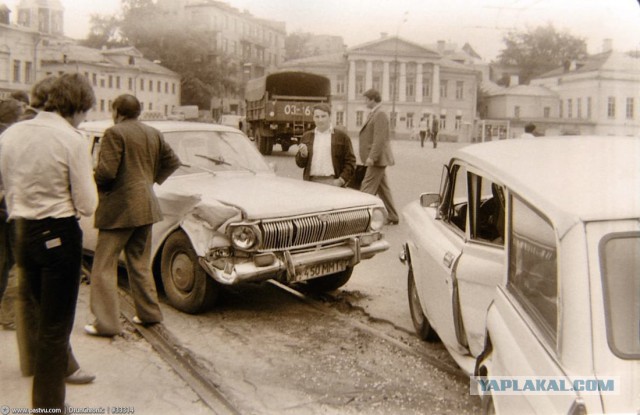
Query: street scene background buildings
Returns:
{"type": "Point", "coordinates": [416, 77]}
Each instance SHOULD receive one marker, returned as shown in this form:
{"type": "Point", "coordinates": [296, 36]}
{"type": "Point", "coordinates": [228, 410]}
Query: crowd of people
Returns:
{"type": "Point", "coordinates": [47, 182]}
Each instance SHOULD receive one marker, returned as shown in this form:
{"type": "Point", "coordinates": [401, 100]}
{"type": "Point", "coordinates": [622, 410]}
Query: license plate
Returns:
{"type": "Point", "coordinates": [318, 270]}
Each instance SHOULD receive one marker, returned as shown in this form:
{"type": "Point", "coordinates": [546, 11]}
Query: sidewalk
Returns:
{"type": "Point", "coordinates": [130, 374]}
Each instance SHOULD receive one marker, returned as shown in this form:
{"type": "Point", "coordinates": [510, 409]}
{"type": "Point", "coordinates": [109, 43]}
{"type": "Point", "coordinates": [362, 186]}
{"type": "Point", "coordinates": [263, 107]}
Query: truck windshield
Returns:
{"type": "Point", "coordinates": [620, 262]}
{"type": "Point", "coordinates": [231, 152]}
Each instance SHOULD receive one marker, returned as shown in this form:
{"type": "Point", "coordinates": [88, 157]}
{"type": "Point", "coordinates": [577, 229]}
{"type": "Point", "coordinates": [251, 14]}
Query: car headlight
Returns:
{"type": "Point", "coordinates": [244, 237]}
{"type": "Point", "coordinates": [377, 219]}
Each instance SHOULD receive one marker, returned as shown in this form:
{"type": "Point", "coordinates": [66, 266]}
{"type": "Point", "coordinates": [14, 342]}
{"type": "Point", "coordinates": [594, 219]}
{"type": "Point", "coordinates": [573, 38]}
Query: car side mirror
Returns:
{"type": "Point", "coordinates": [431, 200]}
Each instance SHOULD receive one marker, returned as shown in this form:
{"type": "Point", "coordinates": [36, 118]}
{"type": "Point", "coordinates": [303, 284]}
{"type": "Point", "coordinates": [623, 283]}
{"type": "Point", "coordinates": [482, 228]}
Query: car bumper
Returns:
{"type": "Point", "coordinates": [286, 264]}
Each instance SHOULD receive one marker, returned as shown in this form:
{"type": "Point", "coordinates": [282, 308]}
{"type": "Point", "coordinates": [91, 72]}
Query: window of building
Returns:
{"type": "Point", "coordinates": [426, 86]}
{"type": "Point", "coordinates": [118, 82]}
{"type": "Point", "coordinates": [589, 108]}
{"type": "Point", "coordinates": [141, 84]}
{"type": "Point", "coordinates": [150, 106]}
{"type": "Point", "coordinates": [340, 84]}
{"type": "Point", "coordinates": [150, 85]}
{"type": "Point", "coordinates": [630, 109]}
{"type": "Point", "coordinates": [359, 84]}
{"type": "Point", "coordinates": [339, 117]}
{"type": "Point", "coordinates": [560, 109]}
{"type": "Point", "coordinates": [569, 108]}
{"type": "Point", "coordinates": [102, 82]}
{"type": "Point", "coordinates": [409, 122]}
{"type": "Point", "coordinates": [130, 84]}
{"type": "Point", "coordinates": [173, 88]}
{"type": "Point", "coordinates": [359, 118]}
{"type": "Point", "coordinates": [166, 87]}
{"type": "Point", "coordinates": [459, 90]}
{"type": "Point", "coordinates": [443, 89]}
{"type": "Point", "coordinates": [443, 122]}
{"type": "Point", "coordinates": [532, 264]}
{"type": "Point", "coordinates": [110, 81]}
{"type": "Point", "coordinates": [94, 79]}
{"type": "Point", "coordinates": [458, 122]}
{"type": "Point", "coordinates": [159, 86]}
{"type": "Point", "coordinates": [28, 72]}
{"type": "Point", "coordinates": [16, 71]}
{"type": "Point", "coordinates": [410, 90]}
{"type": "Point", "coordinates": [109, 105]}
{"type": "Point", "coordinates": [611, 107]}
{"type": "Point", "coordinates": [547, 112]}
{"type": "Point", "coordinates": [516, 111]}
{"type": "Point", "coordinates": [102, 105]}
{"type": "Point", "coordinates": [578, 107]}
{"type": "Point", "coordinates": [376, 83]}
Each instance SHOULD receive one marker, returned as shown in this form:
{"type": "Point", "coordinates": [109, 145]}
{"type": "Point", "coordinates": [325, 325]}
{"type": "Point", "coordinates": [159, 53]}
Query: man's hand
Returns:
{"type": "Point", "coordinates": [369, 162]}
{"type": "Point", "coordinates": [303, 150]}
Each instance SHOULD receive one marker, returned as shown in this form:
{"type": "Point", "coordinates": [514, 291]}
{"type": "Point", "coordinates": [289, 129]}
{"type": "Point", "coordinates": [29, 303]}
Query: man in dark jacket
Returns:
{"type": "Point", "coordinates": [325, 153]}
{"type": "Point", "coordinates": [133, 156]}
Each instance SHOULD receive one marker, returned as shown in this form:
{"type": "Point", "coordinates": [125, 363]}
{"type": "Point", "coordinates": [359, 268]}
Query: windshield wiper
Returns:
{"type": "Point", "coordinates": [213, 173]}
{"type": "Point", "coordinates": [220, 161]}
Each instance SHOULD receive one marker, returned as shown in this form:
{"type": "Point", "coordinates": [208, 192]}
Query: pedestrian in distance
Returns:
{"type": "Point", "coordinates": [46, 172]}
{"type": "Point", "coordinates": [25, 308]}
{"type": "Point", "coordinates": [326, 153]}
{"type": "Point", "coordinates": [423, 128]}
{"type": "Point", "coordinates": [133, 156]}
{"type": "Point", "coordinates": [435, 127]}
{"type": "Point", "coordinates": [375, 152]}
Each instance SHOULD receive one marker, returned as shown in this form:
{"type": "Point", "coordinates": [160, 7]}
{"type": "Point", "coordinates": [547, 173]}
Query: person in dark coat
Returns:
{"type": "Point", "coordinates": [133, 156]}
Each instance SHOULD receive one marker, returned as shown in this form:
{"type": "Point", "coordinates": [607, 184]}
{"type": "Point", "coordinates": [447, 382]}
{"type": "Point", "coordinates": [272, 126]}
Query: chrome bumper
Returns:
{"type": "Point", "coordinates": [287, 263]}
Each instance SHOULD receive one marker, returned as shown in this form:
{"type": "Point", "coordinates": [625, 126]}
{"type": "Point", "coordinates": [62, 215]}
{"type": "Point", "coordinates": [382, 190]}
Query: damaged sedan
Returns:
{"type": "Point", "coordinates": [229, 219]}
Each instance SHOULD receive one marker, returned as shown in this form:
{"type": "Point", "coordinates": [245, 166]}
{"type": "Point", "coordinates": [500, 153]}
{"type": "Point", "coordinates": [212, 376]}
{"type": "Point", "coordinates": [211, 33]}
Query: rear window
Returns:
{"type": "Point", "coordinates": [620, 262]}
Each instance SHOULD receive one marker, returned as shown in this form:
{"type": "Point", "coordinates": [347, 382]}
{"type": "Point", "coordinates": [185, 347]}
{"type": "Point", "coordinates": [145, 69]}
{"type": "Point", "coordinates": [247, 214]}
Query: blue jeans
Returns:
{"type": "Point", "coordinates": [48, 255]}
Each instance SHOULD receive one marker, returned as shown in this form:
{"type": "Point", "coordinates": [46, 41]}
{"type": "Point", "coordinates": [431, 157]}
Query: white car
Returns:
{"type": "Point", "coordinates": [526, 264]}
{"type": "Point", "coordinates": [229, 219]}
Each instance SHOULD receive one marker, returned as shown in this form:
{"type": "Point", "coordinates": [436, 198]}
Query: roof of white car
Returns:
{"type": "Point", "coordinates": [568, 178]}
{"type": "Point", "coordinates": [162, 126]}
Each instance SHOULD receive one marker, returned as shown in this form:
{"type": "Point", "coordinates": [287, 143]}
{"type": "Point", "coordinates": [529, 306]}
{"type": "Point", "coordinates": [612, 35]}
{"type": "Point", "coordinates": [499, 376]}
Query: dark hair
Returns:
{"type": "Point", "coordinates": [40, 91]}
{"type": "Point", "coordinates": [323, 107]}
{"type": "Point", "coordinates": [20, 96]}
{"type": "Point", "coordinates": [127, 105]}
{"type": "Point", "coordinates": [372, 94]}
{"type": "Point", "coordinates": [529, 128]}
{"type": "Point", "coordinates": [70, 94]}
{"type": "Point", "coordinates": [10, 111]}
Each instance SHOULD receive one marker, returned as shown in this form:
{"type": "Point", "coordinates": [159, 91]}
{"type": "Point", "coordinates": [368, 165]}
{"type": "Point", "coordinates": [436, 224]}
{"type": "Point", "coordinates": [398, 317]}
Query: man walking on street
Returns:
{"type": "Point", "coordinates": [424, 129]}
{"type": "Point", "coordinates": [133, 156]}
{"type": "Point", "coordinates": [46, 171]}
{"type": "Point", "coordinates": [375, 153]}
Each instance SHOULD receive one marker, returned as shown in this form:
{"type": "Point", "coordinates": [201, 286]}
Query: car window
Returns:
{"type": "Point", "coordinates": [487, 210]}
{"type": "Point", "coordinates": [533, 277]}
{"type": "Point", "coordinates": [215, 151]}
{"type": "Point", "coordinates": [456, 198]}
{"type": "Point", "coordinates": [620, 261]}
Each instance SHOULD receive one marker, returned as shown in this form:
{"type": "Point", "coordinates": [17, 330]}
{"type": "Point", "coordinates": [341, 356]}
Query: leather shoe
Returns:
{"type": "Point", "coordinates": [80, 377]}
{"type": "Point", "coordinates": [93, 331]}
{"type": "Point", "coordinates": [137, 320]}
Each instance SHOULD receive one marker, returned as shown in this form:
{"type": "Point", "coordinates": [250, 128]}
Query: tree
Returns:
{"type": "Point", "coordinates": [104, 32]}
{"type": "Point", "coordinates": [294, 45]}
{"type": "Point", "coordinates": [540, 50]}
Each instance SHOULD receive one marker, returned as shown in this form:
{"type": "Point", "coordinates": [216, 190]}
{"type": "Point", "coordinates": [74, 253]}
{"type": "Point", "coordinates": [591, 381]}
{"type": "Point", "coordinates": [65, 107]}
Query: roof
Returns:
{"type": "Point", "coordinates": [571, 179]}
{"type": "Point", "coordinates": [520, 90]}
{"type": "Point", "coordinates": [610, 60]}
{"type": "Point", "coordinates": [163, 126]}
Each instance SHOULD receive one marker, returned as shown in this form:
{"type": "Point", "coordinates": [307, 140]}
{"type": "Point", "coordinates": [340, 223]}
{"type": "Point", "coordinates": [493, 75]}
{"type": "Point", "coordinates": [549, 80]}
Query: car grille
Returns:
{"type": "Point", "coordinates": [307, 230]}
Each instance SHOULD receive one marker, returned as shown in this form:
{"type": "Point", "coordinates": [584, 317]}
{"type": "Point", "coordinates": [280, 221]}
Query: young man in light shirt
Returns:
{"type": "Point", "coordinates": [326, 153]}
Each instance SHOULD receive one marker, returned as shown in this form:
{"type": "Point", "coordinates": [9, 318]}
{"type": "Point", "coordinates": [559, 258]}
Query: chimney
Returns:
{"type": "Point", "coordinates": [441, 44]}
{"type": "Point", "coordinates": [383, 35]}
{"type": "Point", "coordinates": [607, 45]}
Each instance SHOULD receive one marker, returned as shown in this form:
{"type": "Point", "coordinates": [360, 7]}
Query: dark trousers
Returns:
{"type": "Point", "coordinates": [423, 135]}
{"type": "Point", "coordinates": [375, 183]}
{"type": "Point", "coordinates": [49, 255]}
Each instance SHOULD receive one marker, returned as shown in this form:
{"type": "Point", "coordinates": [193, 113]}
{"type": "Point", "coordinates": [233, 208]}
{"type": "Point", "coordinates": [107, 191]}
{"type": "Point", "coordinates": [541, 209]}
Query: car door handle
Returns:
{"type": "Point", "coordinates": [448, 259]}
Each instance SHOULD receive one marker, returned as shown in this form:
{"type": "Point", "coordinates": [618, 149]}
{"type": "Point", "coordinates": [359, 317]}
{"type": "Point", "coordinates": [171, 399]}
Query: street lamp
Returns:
{"type": "Point", "coordinates": [394, 117]}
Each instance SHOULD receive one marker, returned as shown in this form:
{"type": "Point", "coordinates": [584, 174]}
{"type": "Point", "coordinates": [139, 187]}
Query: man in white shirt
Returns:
{"type": "Point", "coordinates": [325, 153]}
{"type": "Point", "coordinates": [47, 175]}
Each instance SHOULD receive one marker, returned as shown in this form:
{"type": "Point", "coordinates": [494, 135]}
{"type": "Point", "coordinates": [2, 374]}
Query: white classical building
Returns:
{"type": "Point", "coordinates": [413, 80]}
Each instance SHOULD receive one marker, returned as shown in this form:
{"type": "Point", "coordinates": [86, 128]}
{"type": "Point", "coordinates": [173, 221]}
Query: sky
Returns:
{"type": "Point", "coordinates": [481, 23]}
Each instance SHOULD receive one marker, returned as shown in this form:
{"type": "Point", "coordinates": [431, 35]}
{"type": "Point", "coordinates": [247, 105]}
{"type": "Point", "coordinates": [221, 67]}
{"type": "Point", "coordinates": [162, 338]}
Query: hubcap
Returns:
{"type": "Point", "coordinates": [182, 272]}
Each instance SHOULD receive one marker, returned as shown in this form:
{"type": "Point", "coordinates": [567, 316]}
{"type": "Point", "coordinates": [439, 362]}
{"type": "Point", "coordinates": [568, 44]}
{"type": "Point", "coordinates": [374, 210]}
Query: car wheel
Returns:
{"type": "Point", "coordinates": [268, 147]}
{"type": "Point", "coordinates": [330, 282]}
{"type": "Point", "coordinates": [420, 322]}
{"type": "Point", "coordinates": [261, 142]}
{"type": "Point", "coordinates": [186, 284]}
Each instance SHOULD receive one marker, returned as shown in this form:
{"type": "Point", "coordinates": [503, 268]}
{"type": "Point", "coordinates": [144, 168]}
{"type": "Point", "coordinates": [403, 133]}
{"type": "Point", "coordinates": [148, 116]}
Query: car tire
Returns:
{"type": "Point", "coordinates": [420, 322]}
{"type": "Point", "coordinates": [261, 142]}
{"type": "Point", "coordinates": [186, 284]}
{"type": "Point", "coordinates": [330, 282]}
{"type": "Point", "coordinates": [268, 149]}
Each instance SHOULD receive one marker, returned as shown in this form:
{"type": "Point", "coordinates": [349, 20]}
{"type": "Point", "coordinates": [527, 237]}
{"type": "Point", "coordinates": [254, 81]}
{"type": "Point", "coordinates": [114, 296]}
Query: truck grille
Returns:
{"type": "Point", "coordinates": [307, 230]}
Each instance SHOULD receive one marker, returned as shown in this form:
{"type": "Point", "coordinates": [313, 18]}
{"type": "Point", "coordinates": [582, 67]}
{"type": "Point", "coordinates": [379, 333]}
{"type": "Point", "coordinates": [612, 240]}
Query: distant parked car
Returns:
{"type": "Point", "coordinates": [526, 263]}
{"type": "Point", "coordinates": [229, 219]}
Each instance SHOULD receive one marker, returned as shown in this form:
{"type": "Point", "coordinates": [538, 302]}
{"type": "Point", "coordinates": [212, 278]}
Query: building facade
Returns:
{"type": "Point", "coordinates": [253, 46]}
{"type": "Point", "coordinates": [414, 82]}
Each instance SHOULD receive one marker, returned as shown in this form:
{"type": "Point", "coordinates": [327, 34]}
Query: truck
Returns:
{"type": "Point", "coordinates": [280, 107]}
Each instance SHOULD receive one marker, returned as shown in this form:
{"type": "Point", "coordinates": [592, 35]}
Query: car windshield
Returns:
{"type": "Point", "coordinates": [620, 259]}
{"type": "Point", "coordinates": [215, 151]}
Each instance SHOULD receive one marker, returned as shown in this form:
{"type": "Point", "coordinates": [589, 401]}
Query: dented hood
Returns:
{"type": "Point", "coordinates": [265, 196]}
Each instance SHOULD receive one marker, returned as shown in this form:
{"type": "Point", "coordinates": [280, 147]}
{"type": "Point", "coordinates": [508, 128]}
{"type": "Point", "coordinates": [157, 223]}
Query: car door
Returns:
{"type": "Point", "coordinates": [481, 266]}
{"type": "Point", "coordinates": [523, 321]}
{"type": "Point", "coordinates": [438, 245]}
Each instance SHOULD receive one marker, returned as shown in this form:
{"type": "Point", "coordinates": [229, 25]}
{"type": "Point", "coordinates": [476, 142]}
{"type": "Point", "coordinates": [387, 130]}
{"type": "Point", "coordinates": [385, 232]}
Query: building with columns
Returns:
{"type": "Point", "coordinates": [413, 80]}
